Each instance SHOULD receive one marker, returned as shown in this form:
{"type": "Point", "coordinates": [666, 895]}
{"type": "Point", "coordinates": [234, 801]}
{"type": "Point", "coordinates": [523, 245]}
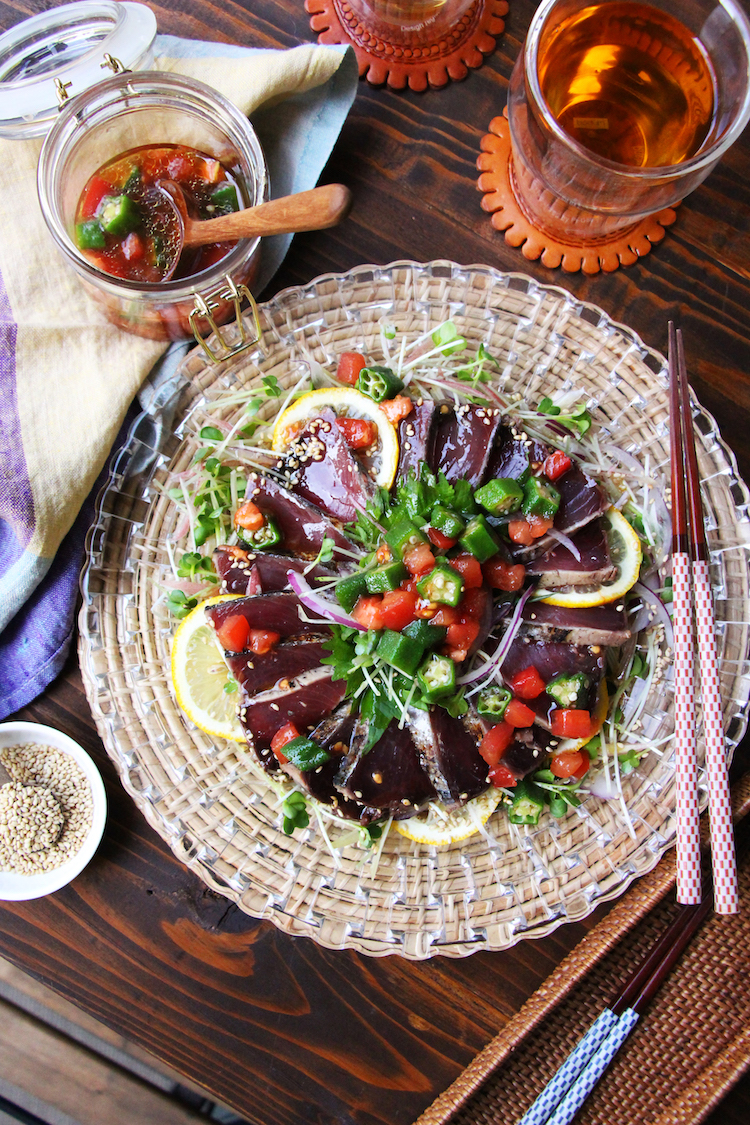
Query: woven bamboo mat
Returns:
{"type": "Point", "coordinates": [687, 1050]}
{"type": "Point", "coordinates": [205, 797]}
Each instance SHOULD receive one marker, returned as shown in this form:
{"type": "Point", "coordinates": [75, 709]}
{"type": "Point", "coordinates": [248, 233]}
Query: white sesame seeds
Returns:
{"type": "Point", "coordinates": [46, 810]}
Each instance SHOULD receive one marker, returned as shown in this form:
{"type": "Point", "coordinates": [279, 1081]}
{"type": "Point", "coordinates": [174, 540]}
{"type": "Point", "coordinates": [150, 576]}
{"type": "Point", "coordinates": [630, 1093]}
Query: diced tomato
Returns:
{"type": "Point", "coordinates": [442, 542]}
{"type": "Point", "coordinates": [495, 743]}
{"type": "Point", "coordinates": [94, 193]}
{"type": "Point", "coordinates": [566, 764]}
{"type": "Point", "coordinates": [283, 735]}
{"type": "Point", "coordinates": [527, 684]}
{"type": "Point", "coordinates": [409, 584]}
{"type": "Point", "coordinates": [383, 553]}
{"type": "Point", "coordinates": [349, 366]}
{"type": "Point", "coordinates": [446, 615]}
{"type": "Point", "coordinates": [234, 551]}
{"type": "Point", "coordinates": [469, 568]}
{"type": "Point", "coordinates": [556, 464]}
{"type": "Point", "coordinates": [584, 765]}
{"type": "Point", "coordinates": [262, 641]}
{"type": "Point", "coordinates": [502, 576]}
{"type": "Point", "coordinates": [133, 247]}
{"type": "Point", "coordinates": [473, 603]}
{"type": "Point", "coordinates": [502, 778]}
{"type": "Point", "coordinates": [520, 532]}
{"type": "Point", "coordinates": [368, 612]}
{"type": "Point", "coordinates": [234, 633]}
{"type": "Point", "coordinates": [420, 559]}
{"type": "Point", "coordinates": [397, 408]}
{"type": "Point", "coordinates": [358, 433]}
{"type": "Point", "coordinates": [459, 639]}
{"type": "Point", "coordinates": [570, 723]}
{"type": "Point", "coordinates": [517, 714]}
{"type": "Point", "coordinates": [538, 526]}
{"type": "Point", "coordinates": [249, 516]}
{"type": "Point", "coordinates": [397, 609]}
{"type": "Point", "coordinates": [181, 167]}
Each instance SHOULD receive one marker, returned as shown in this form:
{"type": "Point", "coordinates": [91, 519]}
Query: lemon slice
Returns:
{"type": "Point", "coordinates": [437, 826]}
{"type": "Point", "coordinates": [625, 552]}
{"type": "Point", "coordinates": [347, 403]}
{"type": "Point", "coordinates": [199, 675]}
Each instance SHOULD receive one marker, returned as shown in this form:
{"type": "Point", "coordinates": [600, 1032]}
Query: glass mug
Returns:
{"type": "Point", "coordinates": [618, 109]}
{"type": "Point", "coordinates": [409, 22]}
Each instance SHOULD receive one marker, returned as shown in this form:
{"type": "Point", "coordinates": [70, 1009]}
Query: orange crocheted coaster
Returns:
{"type": "Point", "coordinates": [450, 56]}
{"type": "Point", "coordinates": [606, 252]}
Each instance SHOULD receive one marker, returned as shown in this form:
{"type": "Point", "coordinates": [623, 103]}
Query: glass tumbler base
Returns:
{"type": "Point", "coordinates": [427, 63]}
{"type": "Point", "coordinates": [573, 252]}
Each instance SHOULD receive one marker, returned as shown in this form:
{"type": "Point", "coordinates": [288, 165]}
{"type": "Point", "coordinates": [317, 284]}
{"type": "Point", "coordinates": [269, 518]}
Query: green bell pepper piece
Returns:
{"type": "Point", "coordinates": [479, 539]}
{"type": "Point", "coordinates": [378, 383]}
{"type": "Point", "coordinates": [401, 652]}
{"type": "Point", "coordinates": [90, 236]}
{"type": "Point", "coordinates": [305, 754]}
{"type": "Point", "coordinates": [492, 701]}
{"type": "Point", "coordinates": [447, 522]}
{"type": "Point", "coordinates": [224, 199]}
{"type": "Point", "coordinates": [500, 496]}
{"type": "Point", "coordinates": [566, 689]}
{"type": "Point", "coordinates": [348, 590]}
{"type": "Point", "coordinates": [528, 803]}
{"type": "Point", "coordinates": [540, 498]}
{"type": "Point", "coordinates": [443, 584]}
{"type": "Point", "coordinates": [387, 577]}
{"type": "Point", "coordinates": [437, 677]}
{"type": "Point", "coordinates": [118, 215]}
{"type": "Point", "coordinates": [402, 536]}
{"type": "Point", "coordinates": [261, 540]}
{"type": "Point", "coordinates": [424, 632]}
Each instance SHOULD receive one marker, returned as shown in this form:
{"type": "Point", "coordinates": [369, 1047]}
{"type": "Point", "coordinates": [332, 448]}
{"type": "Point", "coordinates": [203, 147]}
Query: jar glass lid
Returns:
{"type": "Point", "coordinates": [67, 49]}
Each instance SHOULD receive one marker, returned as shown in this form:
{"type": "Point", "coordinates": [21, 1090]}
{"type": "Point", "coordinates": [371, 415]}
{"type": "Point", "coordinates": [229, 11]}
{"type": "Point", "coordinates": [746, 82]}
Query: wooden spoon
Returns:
{"type": "Point", "coordinates": [307, 210]}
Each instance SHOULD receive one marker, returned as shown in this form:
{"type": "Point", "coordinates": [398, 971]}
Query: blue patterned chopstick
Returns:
{"type": "Point", "coordinates": [566, 1075]}
{"type": "Point", "coordinates": [591, 1074]}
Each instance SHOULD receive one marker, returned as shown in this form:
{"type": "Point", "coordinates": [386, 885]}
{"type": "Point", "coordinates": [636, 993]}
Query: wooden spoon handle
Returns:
{"type": "Point", "coordinates": [307, 210]}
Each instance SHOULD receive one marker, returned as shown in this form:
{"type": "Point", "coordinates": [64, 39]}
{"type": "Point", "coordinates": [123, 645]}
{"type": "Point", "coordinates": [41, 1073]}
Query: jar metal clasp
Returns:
{"type": "Point", "coordinates": [205, 309]}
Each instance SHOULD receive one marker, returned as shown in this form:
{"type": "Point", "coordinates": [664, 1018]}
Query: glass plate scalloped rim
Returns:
{"type": "Point", "coordinates": [339, 916]}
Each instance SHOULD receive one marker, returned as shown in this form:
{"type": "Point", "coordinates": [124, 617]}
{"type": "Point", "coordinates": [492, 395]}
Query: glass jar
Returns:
{"type": "Point", "coordinates": [125, 112]}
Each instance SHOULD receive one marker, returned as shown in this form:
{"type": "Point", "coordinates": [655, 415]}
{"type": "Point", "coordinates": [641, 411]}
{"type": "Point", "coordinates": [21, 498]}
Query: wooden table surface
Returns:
{"type": "Point", "coordinates": [282, 1030]}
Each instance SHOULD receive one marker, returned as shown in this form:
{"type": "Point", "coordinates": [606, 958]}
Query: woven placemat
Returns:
{"type": "Point", "coordinates": [689, 1047]}
{"type": "Point", "coordinates": [207, 800]}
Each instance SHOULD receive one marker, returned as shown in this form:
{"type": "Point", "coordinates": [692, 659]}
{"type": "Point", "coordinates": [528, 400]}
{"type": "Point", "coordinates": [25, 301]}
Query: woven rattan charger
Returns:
{"type": "Point", "coordinates": [689, 1048]}
{"type": "Point", "coordinates": [207, 800]}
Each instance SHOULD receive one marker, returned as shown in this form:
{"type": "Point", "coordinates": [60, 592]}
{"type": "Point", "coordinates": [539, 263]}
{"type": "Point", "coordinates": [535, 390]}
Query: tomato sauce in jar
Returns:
{"type": "Point", "coordinates": [127, 226]}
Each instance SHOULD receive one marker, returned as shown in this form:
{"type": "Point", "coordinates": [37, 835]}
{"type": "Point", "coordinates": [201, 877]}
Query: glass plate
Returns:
{"type": "Point", "coordinates": [204, 797]}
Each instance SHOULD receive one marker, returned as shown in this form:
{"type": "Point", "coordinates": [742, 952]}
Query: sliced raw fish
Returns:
{"type": "Point", "coordinates": [581, 500]}
{"type": "Point", "coordinates": [278, 667]}
{"type": "Point", "coordinates": [414, 435]}
{"type": "Point", "coordinates": [601, 625]}
{"type": "Point", "coordinates": [389, 776]}
{"type": "Point", "coordinates": [303, 526]}
{"type": "Point", "coordinates": [449, 754]}
{"type": "Point", "coordinates": [323, 470]}
{"type": "Point", "coordinates": [528, 750]}
{"type": "Point", "coordinates": [513, 454]}
{"type": "Point", "coordinates": [305, 702]}
{"type": "Point", "coordinates": [260, 572]}
{"type": "Point", "coordinates": [277, 613]}
{"type": "Point", "coordinates": [462, 440]}
{"type": "Point", "coordinates": [559, 567]}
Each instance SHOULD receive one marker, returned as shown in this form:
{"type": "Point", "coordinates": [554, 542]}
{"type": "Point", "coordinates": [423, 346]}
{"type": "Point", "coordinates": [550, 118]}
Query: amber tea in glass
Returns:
{"type": "Point", "coordinates": [618, 109]}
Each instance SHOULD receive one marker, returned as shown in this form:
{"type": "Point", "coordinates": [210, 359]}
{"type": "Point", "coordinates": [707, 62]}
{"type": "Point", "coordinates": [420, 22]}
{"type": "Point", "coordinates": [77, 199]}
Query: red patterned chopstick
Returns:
{"type": "Point", "coordinates": [723, 860]}
{"type": "Point", "coordinates": [686, 767]}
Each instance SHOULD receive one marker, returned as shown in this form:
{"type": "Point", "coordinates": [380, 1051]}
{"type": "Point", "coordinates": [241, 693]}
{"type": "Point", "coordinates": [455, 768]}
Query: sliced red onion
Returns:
{"type": "Point", "coordinates": [566, 542]}
{"type": "Point", "coordinates": [662, 612]}
{"type": "Point", "coordinates": [188, 587]}
{"type": "Point", "coordinates": [320, 605]}
{"type": "Point", "coordinates": [496, 661]}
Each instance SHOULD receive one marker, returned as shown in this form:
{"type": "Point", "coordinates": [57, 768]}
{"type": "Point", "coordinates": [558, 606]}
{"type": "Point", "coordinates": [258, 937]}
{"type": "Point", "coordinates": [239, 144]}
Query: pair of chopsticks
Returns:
{"type": "Point", "coordinates": [567, 1090]}
{"type": "Point", "coordinates": [691, 582]}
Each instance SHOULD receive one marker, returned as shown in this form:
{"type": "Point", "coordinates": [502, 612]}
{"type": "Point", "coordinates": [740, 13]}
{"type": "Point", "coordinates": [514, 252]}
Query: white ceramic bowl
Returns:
{"type": "Point", "coordinates": [15, 888]}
